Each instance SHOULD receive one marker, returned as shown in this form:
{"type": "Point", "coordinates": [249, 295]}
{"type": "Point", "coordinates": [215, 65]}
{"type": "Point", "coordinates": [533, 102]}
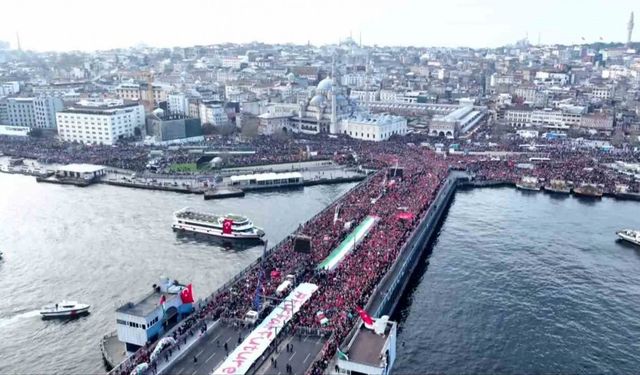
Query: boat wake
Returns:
{"type": "Point", "coordinates": [15, 318]}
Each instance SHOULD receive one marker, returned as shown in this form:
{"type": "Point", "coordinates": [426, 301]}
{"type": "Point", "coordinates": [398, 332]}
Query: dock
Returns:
{"type": "Point", "coordinates": [113, 351]}
{"type": "Point", "coordinates": [221, 192]}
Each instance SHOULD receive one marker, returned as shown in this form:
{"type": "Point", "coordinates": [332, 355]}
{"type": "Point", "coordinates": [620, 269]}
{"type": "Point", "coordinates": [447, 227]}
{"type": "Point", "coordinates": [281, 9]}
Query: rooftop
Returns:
{"type": "Point", "coordinates": [81, 168]}
{"type": "Point", "coordinates": [266, 176]}
{"type": "Point", "coordinates": [367, 347]}
{"type": "Point", "coordinates": [147, 305]}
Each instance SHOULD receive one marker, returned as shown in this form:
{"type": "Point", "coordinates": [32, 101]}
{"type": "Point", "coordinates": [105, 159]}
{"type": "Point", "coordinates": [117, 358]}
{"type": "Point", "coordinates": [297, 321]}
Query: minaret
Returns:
{"type": "Point", "coordinates": [629, 30]}
{"type": "Point", "coordinates": [18, 41]}
{"type": "Point", "coordinates": [333, 128]}
{"type": "Point", "coordinates": [366, 86]}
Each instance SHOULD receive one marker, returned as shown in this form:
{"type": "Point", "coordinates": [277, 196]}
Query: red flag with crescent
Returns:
{"type": "Point", "coordinates": [226, 226]}
{"type": "Point", "coordinates": [186, 294]}
{"type": "Point", "coordinates": [366, 318]}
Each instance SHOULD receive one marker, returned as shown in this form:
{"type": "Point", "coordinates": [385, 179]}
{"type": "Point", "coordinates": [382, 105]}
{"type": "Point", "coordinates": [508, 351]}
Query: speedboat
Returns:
{"type": "Point", "coordinates": [64, 309]}
{"type": "Point", "coordinates": [629, 235]}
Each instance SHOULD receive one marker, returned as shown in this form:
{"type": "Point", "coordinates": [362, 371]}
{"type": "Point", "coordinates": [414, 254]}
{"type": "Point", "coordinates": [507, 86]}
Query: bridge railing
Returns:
{"type": "Point", "coordinates": [397, 264]}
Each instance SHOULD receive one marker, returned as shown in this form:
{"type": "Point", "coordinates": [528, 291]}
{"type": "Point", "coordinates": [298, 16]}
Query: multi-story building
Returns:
{"type": "Point", "coordinates": [45, 109]}
{"type": "Point", "coordinates": [389, 96]}
{"type": "Point", "coordinates": [459, 121]}
{"type": "Point", "coordinates": [272, 122]}
{"type": "Point", "coordinates": [134, 91]}
{"type": "Point", "coordinates": [563, 118]}
{"type": "Point", "coordinates": [374, 128]}
{"type": "Point", "coordinates": [213, 113]}
{"type": "Point", "coordinates": [21, 112]}
{"type": "Point", "coordinates": [100, 122]}
{"type": "Point", "coordinates": [599, 122]}
{"type": "Point", "coordinates": [37, 112]}
{"type": "Point", "coordinates": [9, 88]}
{"type": "Point", "coordinates": [177, 103]}
{"type": "Point", "coordinates": [172, 127]}
{"type": "Point", "coordinates": [602, 93]}
{"type": "Point", "coordinates": [353, 79]}
{"type": "Point", "coordinates": [363, 96]}
{"type": "Point", "coordinates": [4, 115]}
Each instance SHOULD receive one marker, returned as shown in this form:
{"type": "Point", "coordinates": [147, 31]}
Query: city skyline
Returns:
{"type": "Point", "coordinates": [456, 23]}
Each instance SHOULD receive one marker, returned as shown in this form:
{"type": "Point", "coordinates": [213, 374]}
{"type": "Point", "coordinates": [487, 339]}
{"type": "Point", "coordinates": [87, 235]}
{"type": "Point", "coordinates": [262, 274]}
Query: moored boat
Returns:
{"type": "Point", "coordinates": [229, 226]}
{"type": "Point", "coordinates": [588, 191]}
{"type": "Point", "coordinates": [64, 309]}
{"type": "Point", "coordinates": [558, 187]}
{"type": "Point", "coordinates": [630, 235]}
{"type": "Point", "coordinates": [528, 183]}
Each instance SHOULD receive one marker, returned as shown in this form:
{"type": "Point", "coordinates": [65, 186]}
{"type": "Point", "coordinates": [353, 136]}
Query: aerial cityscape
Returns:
{"type": "Point", "coordinates": [319, 205]}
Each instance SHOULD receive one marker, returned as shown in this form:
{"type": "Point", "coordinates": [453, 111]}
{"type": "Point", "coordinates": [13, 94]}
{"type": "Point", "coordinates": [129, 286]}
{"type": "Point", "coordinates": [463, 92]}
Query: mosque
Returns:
{"type": "Point", "coordinates": [329, 110]}
{"type": "Point", "coordinates": [328, 105]}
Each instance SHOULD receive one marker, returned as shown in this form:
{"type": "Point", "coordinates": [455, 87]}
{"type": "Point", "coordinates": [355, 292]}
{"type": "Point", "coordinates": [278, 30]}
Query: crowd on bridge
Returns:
{"type": "Point", "coordinates": [397, 200]}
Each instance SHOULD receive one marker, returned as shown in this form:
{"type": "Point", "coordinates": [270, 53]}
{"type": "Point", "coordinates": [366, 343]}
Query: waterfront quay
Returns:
{"type": "Point", "coordinates": [313, 173]}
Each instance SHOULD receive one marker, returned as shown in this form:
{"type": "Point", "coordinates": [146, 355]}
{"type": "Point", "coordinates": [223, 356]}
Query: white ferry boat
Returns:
{"type": "Point", "coordinates": [629, 235]}
{"type": "Point", "coordinates": [64, 309]}
{"type": "Point", "coordinates": [229, 226]}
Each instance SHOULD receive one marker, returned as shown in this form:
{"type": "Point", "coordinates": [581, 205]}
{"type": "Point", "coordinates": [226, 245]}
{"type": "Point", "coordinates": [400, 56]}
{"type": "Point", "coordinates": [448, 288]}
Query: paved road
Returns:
{"type": "Point", "coordinates": [209, 351]}
{"type": "Point", "coordinates": [304, 351]}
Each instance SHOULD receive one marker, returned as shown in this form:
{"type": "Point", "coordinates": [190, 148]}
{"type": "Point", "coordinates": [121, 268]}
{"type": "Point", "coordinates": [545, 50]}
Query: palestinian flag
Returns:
{"type": "Point", "coordinates": [342, 355]}
{"type": "Point", "coordinates": [163, 301]}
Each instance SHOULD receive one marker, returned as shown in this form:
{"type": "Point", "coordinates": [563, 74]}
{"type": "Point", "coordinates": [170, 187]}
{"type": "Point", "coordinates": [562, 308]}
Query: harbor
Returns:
{"type": "Point", "coordinates": [308, 174]}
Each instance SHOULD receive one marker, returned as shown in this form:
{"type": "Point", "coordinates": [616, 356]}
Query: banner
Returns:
{"type": "Point", "coordinates": [243, 357]}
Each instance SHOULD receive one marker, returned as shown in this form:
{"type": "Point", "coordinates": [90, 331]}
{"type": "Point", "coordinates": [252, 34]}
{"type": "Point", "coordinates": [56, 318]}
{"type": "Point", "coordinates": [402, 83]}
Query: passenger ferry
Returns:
{"type": "Point", "coordinates": [588, 191]}
{"type": "Point", "coordinates": [228, 226]}
{"type": "Point", "coordinates": [266, 181]}
{"type": "Point", "coordinates": [629, 235]}
{"type": "Point", "coordinates": [558, 186]}
{"type": "Point", "coordinates": [528, 183]}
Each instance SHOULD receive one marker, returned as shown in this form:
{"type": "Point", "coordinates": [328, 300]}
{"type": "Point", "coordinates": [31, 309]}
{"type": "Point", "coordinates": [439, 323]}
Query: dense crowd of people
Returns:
{"type": "Point", "coordinates": [397, 201]}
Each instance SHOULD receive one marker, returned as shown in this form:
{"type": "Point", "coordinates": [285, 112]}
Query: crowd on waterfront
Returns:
{"type": "Point", "coordinates": [397, 200]}
{"type": "Point", "coordinates": [574, 169]}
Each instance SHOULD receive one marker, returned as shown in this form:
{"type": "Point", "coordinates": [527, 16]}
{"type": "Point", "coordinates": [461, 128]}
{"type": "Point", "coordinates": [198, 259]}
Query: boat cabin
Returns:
{"type": "Point", "coordinates": [146, 320]}
{"type": "Point", "coordinates": [266, 180]}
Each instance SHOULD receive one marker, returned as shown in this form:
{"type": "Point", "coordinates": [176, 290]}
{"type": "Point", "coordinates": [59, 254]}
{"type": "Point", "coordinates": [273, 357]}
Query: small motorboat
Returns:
{"type": "Point", "coordinates": [64, 309]}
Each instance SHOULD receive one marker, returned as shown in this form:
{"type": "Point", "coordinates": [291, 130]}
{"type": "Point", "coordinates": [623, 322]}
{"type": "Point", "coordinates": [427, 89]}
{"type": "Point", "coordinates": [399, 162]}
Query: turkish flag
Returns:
{"type": "Point", "coordinates": [186, 294]}
{"type": "Point", "coordinates": [226, 226]}
{"type": "Point", "coordinates": [366, 318]}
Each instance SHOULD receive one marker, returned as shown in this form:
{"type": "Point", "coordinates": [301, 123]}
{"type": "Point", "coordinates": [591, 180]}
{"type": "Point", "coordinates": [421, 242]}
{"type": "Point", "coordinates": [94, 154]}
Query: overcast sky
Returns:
{"type": "Point", "coordinates": [90, 25]}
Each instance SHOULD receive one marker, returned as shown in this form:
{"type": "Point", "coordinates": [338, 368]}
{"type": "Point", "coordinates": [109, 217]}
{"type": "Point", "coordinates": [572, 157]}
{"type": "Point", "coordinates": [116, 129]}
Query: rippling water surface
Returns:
{"type": "Point", "coordinates": [526, 283]}
{"type": "Point", "coordinates": [106, 245]}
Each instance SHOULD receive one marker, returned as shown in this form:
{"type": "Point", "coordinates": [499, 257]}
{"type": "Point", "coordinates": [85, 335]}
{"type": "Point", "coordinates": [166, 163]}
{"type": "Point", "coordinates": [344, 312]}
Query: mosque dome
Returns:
{"type": "Point", "coordinates": [325, 85]}
{"type": "Point", "coordinates": [317, 100]}
{"type": "Point", "coordinates": [291, 77]}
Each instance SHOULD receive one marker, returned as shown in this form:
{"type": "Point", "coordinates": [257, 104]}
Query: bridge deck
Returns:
{"type": "Point", "coordinates": [209, 351]}
{"type": "Point", "coordinates": [304, 351]}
